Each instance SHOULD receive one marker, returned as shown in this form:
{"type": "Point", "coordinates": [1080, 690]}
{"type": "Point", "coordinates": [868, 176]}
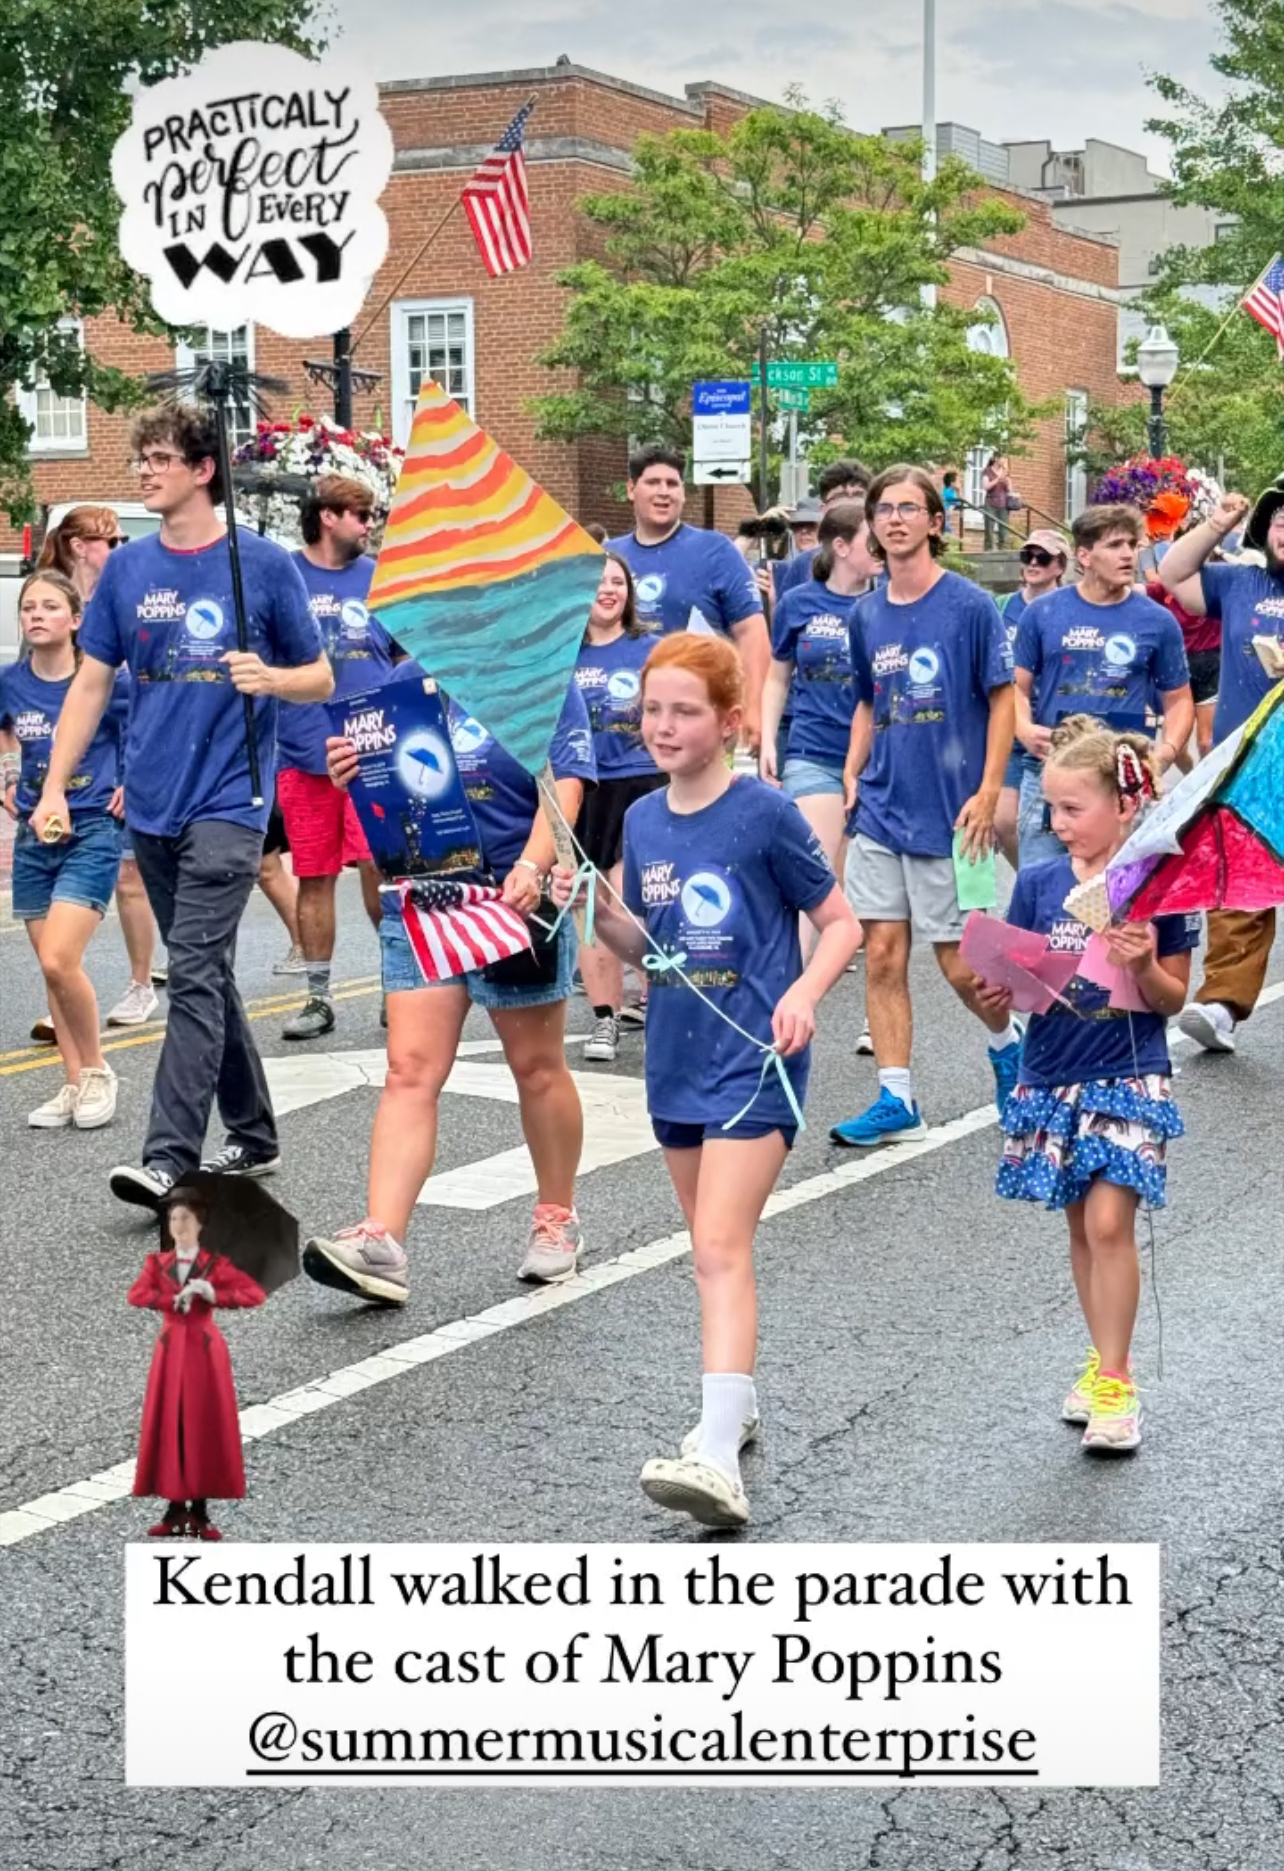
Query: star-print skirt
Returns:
{"type": "Point", "coordinates": [1057, 1141]}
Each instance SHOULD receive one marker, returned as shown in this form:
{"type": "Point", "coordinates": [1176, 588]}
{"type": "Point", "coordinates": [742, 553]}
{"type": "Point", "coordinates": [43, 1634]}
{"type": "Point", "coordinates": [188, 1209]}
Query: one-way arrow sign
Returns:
{"type": "Point", "coordinates": [709, 473]}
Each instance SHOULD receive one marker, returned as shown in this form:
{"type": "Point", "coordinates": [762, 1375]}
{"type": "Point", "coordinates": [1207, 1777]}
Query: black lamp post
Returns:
{"type": "Point", "coordinates": [1157, 360]}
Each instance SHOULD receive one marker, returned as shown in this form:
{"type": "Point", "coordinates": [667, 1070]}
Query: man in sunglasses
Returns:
{"type": "Point", "coordinates": [320, 821]}
{"type": "Point", "coordinates": [1044, 562]}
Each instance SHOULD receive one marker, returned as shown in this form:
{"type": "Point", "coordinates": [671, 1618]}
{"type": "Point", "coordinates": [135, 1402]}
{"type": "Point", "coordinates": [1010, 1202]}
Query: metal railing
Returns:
{"type": "Point", "coordinates": [1005, 525]}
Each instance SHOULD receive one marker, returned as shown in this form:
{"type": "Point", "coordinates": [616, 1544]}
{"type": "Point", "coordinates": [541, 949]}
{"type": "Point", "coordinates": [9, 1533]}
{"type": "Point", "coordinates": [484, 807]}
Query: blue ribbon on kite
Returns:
{"type": "Point", "coordinates": [771, 1058]}
{"type": "Point", "coordinates": [658, 963]}
{"type": "Point", "coordinates": [586, 876]}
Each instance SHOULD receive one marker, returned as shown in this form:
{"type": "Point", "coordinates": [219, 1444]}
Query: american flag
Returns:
{"type": "Point", "coordinates": [455, 928]}
{"type": "Point", "coordinates": [497, 204]}
{"type": "Point", "coordinates": [1265, 302]}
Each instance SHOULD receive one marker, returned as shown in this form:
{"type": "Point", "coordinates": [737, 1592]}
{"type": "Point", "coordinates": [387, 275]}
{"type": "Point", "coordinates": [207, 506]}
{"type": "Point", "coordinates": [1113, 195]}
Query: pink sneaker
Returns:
{"type": "Point", "coordinates": [554, 1245]}
{"type": "Point", "coordinates": [364, 1260]}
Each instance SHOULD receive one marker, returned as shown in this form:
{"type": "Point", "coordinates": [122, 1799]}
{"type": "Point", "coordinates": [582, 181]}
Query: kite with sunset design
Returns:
{"type": "Point", "coordinates": [484, 579]}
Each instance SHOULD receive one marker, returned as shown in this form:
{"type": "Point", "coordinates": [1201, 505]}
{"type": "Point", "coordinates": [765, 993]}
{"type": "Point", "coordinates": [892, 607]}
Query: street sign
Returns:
{"type": "Point", "coordinates": [794, 399]}
{"type": "Point", "coordinates": [814, 375]}
{"type": "Point", "coordinates": [721, 432]}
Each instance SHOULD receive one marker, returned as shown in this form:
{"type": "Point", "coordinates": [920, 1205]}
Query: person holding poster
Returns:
{"type": "Point", "coordinates": [164, 607]}
{"type": "Point", "coordinates": [717, 870]}
{"type": "Point", "coordinates": [1087, 1128]}
{"type": "Point", "coordinates": [525, 996]}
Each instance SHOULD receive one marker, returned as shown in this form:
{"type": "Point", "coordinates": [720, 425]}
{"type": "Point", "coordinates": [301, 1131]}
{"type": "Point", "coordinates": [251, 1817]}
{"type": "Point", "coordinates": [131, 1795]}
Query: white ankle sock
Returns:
{"type": "Point", "coordinates": [899, 1080]}
{"type": "Point", "coordinates": [1010, 1036]}
{"type": "Point", "coordinates": [730, 1401]}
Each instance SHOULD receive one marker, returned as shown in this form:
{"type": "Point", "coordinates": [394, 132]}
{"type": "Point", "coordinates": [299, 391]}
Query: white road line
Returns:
{"type": "Point", "coordinates": [264, 1419]}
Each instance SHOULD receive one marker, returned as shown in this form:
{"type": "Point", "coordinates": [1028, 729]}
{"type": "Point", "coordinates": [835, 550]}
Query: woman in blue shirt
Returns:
{"type": "Point", "coordinates": [810, 636]}
{"type": "Point", "coordinates": [1087, 1128]}
{"type": "Point", "coordinates": [61, 889]}
{"type": "Point", "coordinates": [608, 675]}
{"type": "Point", "coordinates": [717, 870]}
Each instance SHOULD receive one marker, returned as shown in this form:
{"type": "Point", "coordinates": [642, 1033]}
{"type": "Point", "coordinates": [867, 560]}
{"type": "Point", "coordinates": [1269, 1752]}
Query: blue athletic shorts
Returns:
{"type": "Point", "coordinates": [691, 1136]}
{"type": "Point", "coordinates": [82, 869]}
{"type": "Point", "coordinates": [401, 971]}
{"type": "Point", "coordinates": [803, 778]}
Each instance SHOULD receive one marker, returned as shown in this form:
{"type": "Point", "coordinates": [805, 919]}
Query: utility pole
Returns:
{"type": "Point", "coordinates": [343, 377]}
{"type": "Point", "coordinates": [928, 292]}
{"type": "Point", "coordinates": [763, 464]}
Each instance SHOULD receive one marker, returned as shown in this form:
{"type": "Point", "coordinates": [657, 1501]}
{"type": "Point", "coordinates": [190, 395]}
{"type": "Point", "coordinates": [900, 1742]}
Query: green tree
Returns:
{"type": "Point", "coordinates": [66, 70]}
{"type": "Point", "coordinates": [827, 237]}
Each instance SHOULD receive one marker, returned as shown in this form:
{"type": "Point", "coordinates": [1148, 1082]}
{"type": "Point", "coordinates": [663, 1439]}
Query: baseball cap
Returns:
{"type": "Point", "coordinates": [808, 512]}
{"type": "Point", "coordinates": [1051, 542]}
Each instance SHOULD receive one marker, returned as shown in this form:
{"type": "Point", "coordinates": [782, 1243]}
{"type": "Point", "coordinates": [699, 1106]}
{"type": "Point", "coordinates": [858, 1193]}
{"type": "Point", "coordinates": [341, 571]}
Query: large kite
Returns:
{"type": "Point", "coordinates": [484, 579]}
{"type": "Point", "coordinates": [1215, 842]}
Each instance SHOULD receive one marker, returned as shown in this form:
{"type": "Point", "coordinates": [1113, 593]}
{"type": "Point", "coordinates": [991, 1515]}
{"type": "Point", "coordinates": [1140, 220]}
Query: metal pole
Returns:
{"type": "Point", "coordinates": [343, 377]}
{"type": "Point", "coordinates": [217, 388]}
{"type": "Point", "coordinates": [1156, 424]}
{"type": "Point", "coordinates": [794, 493]}
{"type": "Point", "coordinates": [928, 292]}
{"type": "Point", "coordinates": [763, 495]}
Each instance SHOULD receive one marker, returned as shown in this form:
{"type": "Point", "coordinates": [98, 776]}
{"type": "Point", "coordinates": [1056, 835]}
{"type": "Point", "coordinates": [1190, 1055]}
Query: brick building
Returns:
{"type": "Point", "coordinates": [1054, 290]}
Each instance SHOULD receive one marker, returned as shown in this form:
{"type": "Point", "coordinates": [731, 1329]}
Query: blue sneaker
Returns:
{"type": "Point", "coordinates": [888, 1120]}
{"type": "Point", "coordinates": [1007, 1070]}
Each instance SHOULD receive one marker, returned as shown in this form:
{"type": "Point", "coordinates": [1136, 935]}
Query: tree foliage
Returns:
{"type": "Point", "coordinates": [791, 221]}
{"type": "Point", "coordinates": [66, 74]}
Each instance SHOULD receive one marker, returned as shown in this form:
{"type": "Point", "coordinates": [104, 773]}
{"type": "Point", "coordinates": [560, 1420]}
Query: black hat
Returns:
{"type": "Point", "coordinates": [1268, 504]}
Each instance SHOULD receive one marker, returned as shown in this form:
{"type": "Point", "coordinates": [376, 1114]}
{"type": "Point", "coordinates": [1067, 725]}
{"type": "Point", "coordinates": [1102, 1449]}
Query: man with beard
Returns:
{"type": "Point", "coordinates": [1249, 600]}
{"type": "Point", "coordinates": [320, 821]}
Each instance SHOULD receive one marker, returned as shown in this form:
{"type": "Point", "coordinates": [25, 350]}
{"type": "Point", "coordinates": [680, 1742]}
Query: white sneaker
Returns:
{"type": "Point", "coordinates": [1209, 1024]}
{"type": "Point", "coordinates": [292, 962]}
{"type": "Point", "coordinates": [749, 1432]}
{"type": "Point", "coordinates": [57, 1112]}
{"type": "Point", "coordinates": [96, 1105]}
{"type": "Point", "coordinates": [137, 1004]}
{"type": "Point", "coordinates": [864, 1043]}
{"type": "Point", "coordinates": [698, 1489]}
{"type": "Point", "coordinates": [603, 1042]}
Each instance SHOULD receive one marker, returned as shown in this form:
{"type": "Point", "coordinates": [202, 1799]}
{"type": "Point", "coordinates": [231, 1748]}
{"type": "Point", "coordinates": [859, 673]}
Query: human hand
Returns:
{"type": "Point", "coordinates": [1036, 740]}
{"type": "Point", "coordinates": [521, 890]}
{"type": "Point", "coordinates": [341, 761]}
{"type": "Point", "coordinates": [561, 884]}
{"type": "Point", "coordinates": [200, 1289]}
{"type": "Point", "coordinates": [51, 821]}
{"type": "Point", "coordinates": [976, 823]}
{"type": "Point", "coordinates": [762, 578]}
{"type": "Point", "coordinates": [751, 730]}
{"type": "Point", "coordinates": [116, 804]}
{"type": "Point", "coordinates": [794, 1021]}
{"type": "Point", "coordinates": [767, 763]}
{"type": "Point", "coordinates": [851, 786]}
{"type": "Point", "coordinates": [1228, 513]}
{"type": "Point", "coordinates": [183, 1299]}
{"type": "Point", "coordinates": [993, 998]}
{"type": "Point", "coordinates": [1133, 946]}
{"type": "Point", "coordinates": [9, 796]}
{"type": "Point", "coordinates": [249, 673]}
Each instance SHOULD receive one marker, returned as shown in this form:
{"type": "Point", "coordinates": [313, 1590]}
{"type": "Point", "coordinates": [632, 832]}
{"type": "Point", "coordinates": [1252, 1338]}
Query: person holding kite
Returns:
{"type": "Point", "coordinates": [717, 870]}
{"type": "Point", "coordinates": [1249, 600]}
{"type": "Point", "coordinates": [1088, 1125]}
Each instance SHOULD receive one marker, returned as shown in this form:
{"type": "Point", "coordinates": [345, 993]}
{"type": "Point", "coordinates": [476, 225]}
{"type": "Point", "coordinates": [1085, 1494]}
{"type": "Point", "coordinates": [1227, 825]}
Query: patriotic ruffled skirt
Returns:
{"type": "Point", "coordinates": [1059, 1140]}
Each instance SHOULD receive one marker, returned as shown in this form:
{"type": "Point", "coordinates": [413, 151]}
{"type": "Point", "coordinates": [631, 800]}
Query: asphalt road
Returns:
{"type": "Point", "coordinates": [917, 1335]}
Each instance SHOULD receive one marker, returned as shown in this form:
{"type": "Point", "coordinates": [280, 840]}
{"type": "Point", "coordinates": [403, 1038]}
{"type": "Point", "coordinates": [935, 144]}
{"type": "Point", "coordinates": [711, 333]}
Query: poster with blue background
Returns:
{"type": "Point", "coordinates": [408, 793]}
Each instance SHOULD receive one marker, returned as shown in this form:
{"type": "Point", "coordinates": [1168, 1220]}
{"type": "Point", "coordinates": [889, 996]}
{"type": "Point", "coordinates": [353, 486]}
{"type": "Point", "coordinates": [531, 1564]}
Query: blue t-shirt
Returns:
{"type": "Point", "coordinates": [1108, 660]}
{"type": "Point", "coordinates": [788, 573]}
{"type": "Point", "coordinates": [724, 888]}
{"type": "Point", "coordinates": [502, 794]}
{"type": "Point", "coordinates": [169, 616]}
{"type": "Point", "coordinates": [359, 649]}
{"type": "Point", "coordinates": [29, 709]}
{"type": "Point", "coordinates": [689, 577]}
{"type": "Point", "coordinates": [927, 668]}
{"type": "Point", "coordinates": [609, 677]}
{"type": "Point", "coordinates": [1064, 1048]}
{"type": "Point", "coordinates": [1250, 602]}
{"type": "Point", "coordinates": [810, 629]}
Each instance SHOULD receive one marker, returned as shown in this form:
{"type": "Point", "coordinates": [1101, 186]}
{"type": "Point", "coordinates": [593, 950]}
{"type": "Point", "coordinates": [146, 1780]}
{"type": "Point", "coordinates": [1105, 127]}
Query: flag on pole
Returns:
{"type": "Point", "coordinates": [497, 204]}
{"type": "Point", "coordinates": [1265, 302]}
{"type": "Point", "coordinates": [455, 928]}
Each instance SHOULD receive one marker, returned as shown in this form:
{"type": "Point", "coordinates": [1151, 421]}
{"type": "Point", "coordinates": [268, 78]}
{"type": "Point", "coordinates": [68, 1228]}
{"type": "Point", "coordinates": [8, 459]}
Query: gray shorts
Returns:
{"type": "Point", "coordinates": [883, 886]}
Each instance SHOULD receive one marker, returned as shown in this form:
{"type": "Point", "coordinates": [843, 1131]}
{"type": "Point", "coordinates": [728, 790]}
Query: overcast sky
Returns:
{"type": "Point", "coordinates": [1012, 69]}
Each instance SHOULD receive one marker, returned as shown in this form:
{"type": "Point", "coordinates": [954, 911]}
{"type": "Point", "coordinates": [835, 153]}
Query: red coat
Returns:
{"type": "Point", "coordinates": [189, 1447]}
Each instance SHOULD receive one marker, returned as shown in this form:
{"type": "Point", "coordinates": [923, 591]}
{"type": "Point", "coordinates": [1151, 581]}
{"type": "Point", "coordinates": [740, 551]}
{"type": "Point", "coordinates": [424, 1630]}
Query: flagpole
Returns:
{"type": "Point", "coordinates": [386, 301]}
{"type": "Point", "coordinates": [1225, 325]}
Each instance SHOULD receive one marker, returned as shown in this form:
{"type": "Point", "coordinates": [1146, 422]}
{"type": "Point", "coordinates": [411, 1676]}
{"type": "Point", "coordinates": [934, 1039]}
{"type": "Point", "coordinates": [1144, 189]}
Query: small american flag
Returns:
{"type": "Point", "coordinates": [1265, 302]}
{"type": "Point", "coordinates": [497, 204]}
{"type": "Point", "coordinates": [455, 928]}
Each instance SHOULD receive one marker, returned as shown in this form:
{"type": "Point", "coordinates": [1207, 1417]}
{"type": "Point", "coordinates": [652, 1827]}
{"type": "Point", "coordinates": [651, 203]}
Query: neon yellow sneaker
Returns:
{"type": "Point", "coordinates": [1077, 1407]}
{"type": "Point", "coordinates": [1114, 1425]}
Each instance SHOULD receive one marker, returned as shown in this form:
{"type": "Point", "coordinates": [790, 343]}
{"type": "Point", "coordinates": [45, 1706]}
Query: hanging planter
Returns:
{"type": "Point", "coordinates": [275, 470]}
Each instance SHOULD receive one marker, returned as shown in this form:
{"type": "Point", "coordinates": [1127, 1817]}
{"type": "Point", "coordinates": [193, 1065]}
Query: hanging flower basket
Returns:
{"type": "Point", "coordinates": [1161, 486]}
{"type": "Point", "coordinates": [275, 470]}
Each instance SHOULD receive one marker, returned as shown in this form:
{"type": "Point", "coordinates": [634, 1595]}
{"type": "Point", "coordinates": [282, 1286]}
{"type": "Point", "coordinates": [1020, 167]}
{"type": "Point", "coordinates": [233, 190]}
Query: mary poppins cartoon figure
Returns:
{"type": "Point", "coordinates": [189, 1450]}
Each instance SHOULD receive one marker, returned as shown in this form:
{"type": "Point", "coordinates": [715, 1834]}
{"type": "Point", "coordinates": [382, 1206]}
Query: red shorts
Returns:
{"type": "Point", "coordinates": [321, 822]}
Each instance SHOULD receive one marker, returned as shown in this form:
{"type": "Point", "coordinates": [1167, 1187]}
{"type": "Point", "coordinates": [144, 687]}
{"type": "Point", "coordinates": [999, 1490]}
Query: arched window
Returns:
{"type": "Point", "coordinates": [991, 340]}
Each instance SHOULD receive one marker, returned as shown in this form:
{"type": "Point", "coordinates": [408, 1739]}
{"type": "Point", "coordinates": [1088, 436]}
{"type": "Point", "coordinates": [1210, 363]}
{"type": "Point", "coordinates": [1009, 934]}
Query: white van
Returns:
{"type": "Point", "coordinates": [135, 522]}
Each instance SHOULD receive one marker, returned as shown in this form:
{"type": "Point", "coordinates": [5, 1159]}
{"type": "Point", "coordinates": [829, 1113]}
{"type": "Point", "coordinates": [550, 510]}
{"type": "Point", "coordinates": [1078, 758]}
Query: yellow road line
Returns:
{"type": "Point", "coordinates": [34, 1059]}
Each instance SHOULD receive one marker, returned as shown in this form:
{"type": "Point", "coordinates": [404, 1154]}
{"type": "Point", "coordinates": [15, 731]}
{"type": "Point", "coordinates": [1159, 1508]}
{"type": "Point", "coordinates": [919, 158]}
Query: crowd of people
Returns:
{"type": "Point", "coordinates": [769, 758]}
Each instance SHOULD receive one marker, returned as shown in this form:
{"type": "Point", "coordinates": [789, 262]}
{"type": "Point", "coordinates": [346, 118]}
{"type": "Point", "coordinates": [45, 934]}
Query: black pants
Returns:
{"type": "Point", "coordinates": [198, 885]}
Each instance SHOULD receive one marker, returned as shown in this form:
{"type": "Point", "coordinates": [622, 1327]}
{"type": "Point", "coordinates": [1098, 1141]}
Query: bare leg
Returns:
{"type": "Point", "coordinates": [1204, 713]}
{"type": "Point", "coordinates": [1081, 1263]}
{"type": "Point", "coordinates": [372, 902]}
{"type": "Point", "coordinates": [64, 937]}
{"type": "Point", "coordinates": [424, 1026]}
{"type": "Point", "coordinates": [826, 815]}
{"type": "Point", "coordinates": [534, 1040]}
{"type": "Point", "coordinates": [1005, 823]}
{"type": "Point", "coordinates": [316, 917]}
{"type": "Point", "coordinates": [137, 924]}
{"type": "Point", "coordinates": [282, 892]}
{"type": "Point", "coordinates": [735, 1177]}
{"type": "Point", "coordinates": [1110, 1215]}
{"type": "Point", "coordinates": [965, 984]}
{"type": "Point", "coordinates": [887, 995]}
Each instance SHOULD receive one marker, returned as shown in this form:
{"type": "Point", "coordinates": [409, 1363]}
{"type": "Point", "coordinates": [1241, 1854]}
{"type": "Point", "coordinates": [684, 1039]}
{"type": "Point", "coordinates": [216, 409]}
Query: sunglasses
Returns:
{"type": "Point", "coordinates": [118, 539]}
{"type": "Point", "coordinates": [1034, 555]}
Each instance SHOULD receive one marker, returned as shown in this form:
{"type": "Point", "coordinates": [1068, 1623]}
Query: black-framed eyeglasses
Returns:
{"type": "Point", "coordinates": [1034, 555]}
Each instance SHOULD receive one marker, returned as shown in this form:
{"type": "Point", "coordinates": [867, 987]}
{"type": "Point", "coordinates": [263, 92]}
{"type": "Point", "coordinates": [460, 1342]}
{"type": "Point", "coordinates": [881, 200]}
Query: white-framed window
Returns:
{"type": "Point", "coordinates": [58, 423]}
{"type": "Point", "coordinates": [973, 490]}
{"type": "Point", "coordinates": [1076, 473]}
{"type": "Point", "coordinates": [430, 338]}
{"type": "Point", "coordinates": [229, 347]}
{"type": "Point", "coordinates": [990, 339]}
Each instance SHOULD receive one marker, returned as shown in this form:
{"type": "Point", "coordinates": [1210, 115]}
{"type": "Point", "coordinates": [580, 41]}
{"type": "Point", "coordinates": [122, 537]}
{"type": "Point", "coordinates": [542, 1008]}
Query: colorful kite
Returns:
{"type": "Point", "coordinates": [484, 579]}
{"type": "Point", "coordinates": [1215, 842]}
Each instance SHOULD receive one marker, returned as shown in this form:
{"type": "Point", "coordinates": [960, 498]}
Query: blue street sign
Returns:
{"type": "Point", "coordinates": [720, 399]}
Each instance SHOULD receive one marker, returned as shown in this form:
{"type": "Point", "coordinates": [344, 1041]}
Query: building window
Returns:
{"type": "Point", "coordinates": [1225, 230]}
{"type": "Point", "coordinates": [990, 339]}
{"type": "Point", "coordinates": [228, 347]}
{"type": "Point", "coordinates": [431, 339]}
{"type": "Point", "coordinates": [1076, 472]}
{"type": "Point", "coordinates": [58, 423]}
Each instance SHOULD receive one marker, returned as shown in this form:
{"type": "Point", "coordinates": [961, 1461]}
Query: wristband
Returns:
{"type": "Point", "coordinates": [530, 865]}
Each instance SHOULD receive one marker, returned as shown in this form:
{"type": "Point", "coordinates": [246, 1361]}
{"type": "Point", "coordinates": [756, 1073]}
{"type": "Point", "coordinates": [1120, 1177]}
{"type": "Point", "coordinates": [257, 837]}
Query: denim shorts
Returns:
{"type": "Point", "coordinates": [803, 778]}
{"type": "Point", "coordinates": [671, 1136]}
{"type": "Point", "coordinates": [401, 971]}
{"type": "Point", "coordinates": [82, 869]}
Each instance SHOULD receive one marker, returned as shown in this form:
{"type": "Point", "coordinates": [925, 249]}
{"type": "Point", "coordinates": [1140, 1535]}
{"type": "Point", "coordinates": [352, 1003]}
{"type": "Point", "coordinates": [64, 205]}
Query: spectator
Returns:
{"type": "Point", "coordinates": [996, 500]}
{"type": "Point", "coordinates": [841, 480]}
{"type": "Point", "coordinates": [953, 502]}
{"type": "Point", "coordinates": [1044, 562]}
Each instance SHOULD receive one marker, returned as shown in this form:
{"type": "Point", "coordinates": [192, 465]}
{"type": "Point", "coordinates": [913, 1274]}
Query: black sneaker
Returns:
{"type": "Point", "coordinates": [235, 1160]}
{"type": "Point", "coordinates": [314, 1018]}
{"type": "Point", "coordinates": [146, 1188]}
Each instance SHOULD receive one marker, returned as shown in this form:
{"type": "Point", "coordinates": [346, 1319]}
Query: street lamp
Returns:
{"type": "Point", "coordinates": [1157, 359]}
